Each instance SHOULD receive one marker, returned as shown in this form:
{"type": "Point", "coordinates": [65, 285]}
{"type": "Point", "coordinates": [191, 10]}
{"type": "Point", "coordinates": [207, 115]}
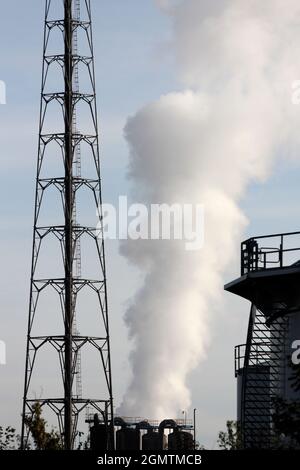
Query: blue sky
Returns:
{"type": "Point", "coordinates": [133, 67]}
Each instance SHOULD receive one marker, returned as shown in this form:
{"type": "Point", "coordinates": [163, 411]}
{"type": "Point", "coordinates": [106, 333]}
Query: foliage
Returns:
{"type": "Point", "coordinates": [286, 416]}
{"type": "Point", "coordinates": [286, 420]}
{"type": "Point", "coordinates": [295, 377]}
{"type": "Point", "coordinates": [8, 438]}
{"type": "Point", "coordinates": [37, 427]}
{"type": "Point", "coordinates": [36, 424]}
{"type": "Point", "coordinates": [231, 438]}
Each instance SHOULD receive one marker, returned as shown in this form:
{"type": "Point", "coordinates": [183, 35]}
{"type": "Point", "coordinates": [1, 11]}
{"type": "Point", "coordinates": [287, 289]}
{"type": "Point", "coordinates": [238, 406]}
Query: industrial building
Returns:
{"type": "Point", "coordinates": [142, 434]}
{"type": "Point", "coordinates": [264, 368]}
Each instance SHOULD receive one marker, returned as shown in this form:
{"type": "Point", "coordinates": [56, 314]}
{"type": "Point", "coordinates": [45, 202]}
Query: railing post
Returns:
{"type": "Point", "coordinates": [242, 260]}
{"type": "Point", "coordinates": [281, 251]}
{"type": "Point", "coordinates": [255, 250]}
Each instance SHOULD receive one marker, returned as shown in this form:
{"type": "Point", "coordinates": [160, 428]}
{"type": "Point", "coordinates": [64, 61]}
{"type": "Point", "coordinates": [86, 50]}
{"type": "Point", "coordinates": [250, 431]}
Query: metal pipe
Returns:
{"type": "Point", "coordinates": [68, 105]}
{"type": "Point", "coordinates": [274, 235]}
{"type": "Point", "coordinates": [195, 428]}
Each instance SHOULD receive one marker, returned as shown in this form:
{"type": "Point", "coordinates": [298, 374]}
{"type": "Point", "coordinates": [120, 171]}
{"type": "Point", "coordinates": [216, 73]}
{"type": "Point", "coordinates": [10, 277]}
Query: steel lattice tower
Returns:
{"type": "Point", "coordinates": [67, 140]}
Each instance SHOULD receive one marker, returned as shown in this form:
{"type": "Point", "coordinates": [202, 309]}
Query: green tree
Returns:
{"type": "Point", "coordinates": [295, 377]}
{"type": "Point", "coordinates": [231, 438]}
{"type": "Point", "coordinates": [286, 416]}
{"type": "Point", "coordinates": [8, 438]}
{"type": "Point", "coordinates": [286, 420]}
{"type": "Point", "coordinates": [36, 424]}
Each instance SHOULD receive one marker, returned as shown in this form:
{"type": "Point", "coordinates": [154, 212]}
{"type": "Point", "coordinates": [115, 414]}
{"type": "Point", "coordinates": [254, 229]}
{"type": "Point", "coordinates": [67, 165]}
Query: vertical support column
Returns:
{"type": "Point", "coordinates": [69, 197]}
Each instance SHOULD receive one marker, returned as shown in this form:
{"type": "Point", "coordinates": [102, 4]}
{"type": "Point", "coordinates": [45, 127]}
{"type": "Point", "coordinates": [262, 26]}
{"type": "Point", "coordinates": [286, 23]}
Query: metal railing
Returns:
{"type": "Point", "coordinates": [270, 251]}
{"type": "Point", "coordinates": [261, 366]}
{"type": "Point", "coordinates": [239, 358]}
{"type": "Point", "coordinates": [260, 351]}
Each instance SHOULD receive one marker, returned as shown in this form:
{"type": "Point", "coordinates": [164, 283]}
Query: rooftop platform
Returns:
{"type": "Point", "coordinates": [270, 274]}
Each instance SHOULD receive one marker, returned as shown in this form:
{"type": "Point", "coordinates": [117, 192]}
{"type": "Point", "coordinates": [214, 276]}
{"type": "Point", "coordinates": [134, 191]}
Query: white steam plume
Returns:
{"type": "Point", "coordinates": [237, 60]}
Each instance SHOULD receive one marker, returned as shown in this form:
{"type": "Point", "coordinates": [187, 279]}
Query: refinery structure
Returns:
{"type": "Point", "coordinates": [142, 434]}
{"type": "Point", "coordinates": [270, 274]}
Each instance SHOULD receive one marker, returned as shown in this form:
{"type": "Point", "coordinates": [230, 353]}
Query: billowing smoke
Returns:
{"type": "Point", "coordinates": [237, 61]}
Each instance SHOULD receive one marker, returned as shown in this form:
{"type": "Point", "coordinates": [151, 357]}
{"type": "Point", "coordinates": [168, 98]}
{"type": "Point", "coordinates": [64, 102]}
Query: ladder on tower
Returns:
{"type": "Point", "coordinates": [77, 173]}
